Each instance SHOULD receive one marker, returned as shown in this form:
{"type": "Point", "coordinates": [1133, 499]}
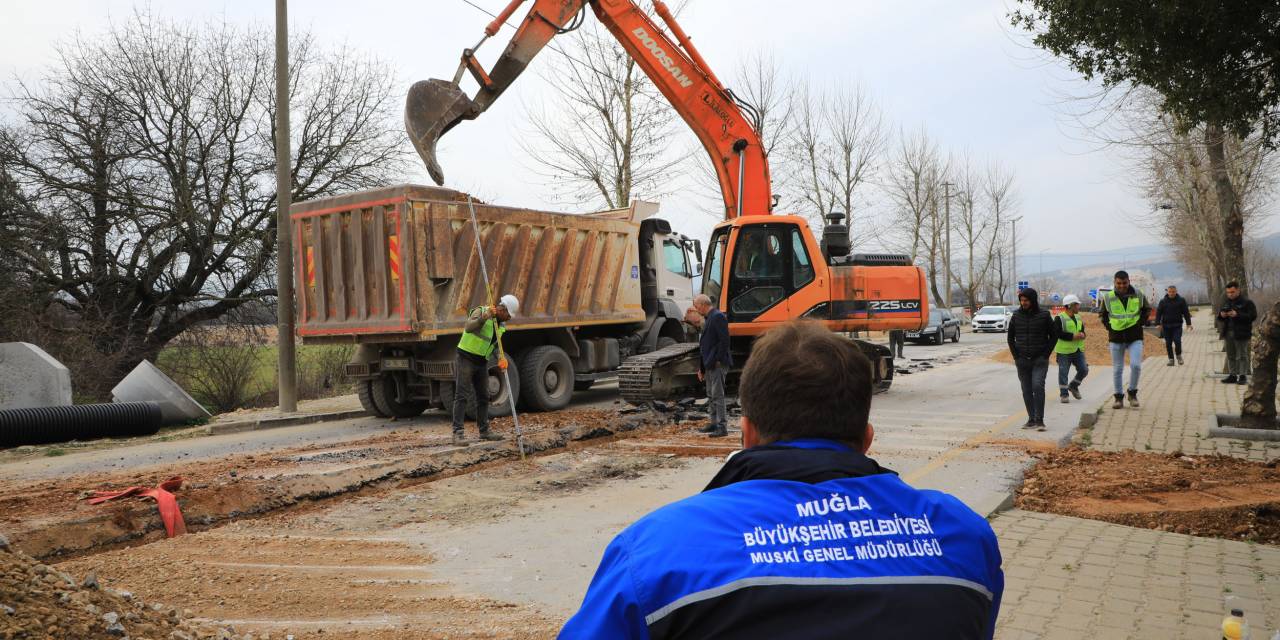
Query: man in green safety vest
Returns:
{"type": "Point", "coordinates": [1123, 311]}
{"type": "Point", "coordinates": [1070, 348]}
{"type": "Point", "coordinates": [480, 337]}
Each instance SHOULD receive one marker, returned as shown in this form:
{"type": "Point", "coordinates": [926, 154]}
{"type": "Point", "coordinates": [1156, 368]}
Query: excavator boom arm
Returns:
{"type": "Point", "coordinates": [675, 67]}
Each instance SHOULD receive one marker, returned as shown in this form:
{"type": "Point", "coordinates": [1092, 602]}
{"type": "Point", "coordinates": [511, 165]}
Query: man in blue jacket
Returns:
{"type": "Point", "coordinates": [715, 362]}
{"type": "Point", "coordinates": [800, 535]}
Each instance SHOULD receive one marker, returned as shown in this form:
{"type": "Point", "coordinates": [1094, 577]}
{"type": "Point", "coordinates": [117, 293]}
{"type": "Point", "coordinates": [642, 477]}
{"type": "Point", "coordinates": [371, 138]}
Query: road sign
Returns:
{"type": "Point", "coordinates": [1056, 298]}
{"type": "Point", "coordinates": [1093, 293]}
{"type": "Point", "coordinates": [1023, 284]}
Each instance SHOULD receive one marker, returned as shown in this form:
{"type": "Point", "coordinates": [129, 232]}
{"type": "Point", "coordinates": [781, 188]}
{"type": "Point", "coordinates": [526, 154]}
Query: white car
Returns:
{"type": "Point", "coordinates": [992, 318]}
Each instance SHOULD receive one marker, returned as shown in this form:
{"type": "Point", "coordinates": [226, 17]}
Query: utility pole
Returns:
{"type": "Point", "coordinates": [946, 186]}
{"type": "Point", "coordinates": [284, 228]}
{"type": "Point", "coordinates": [1014, 247]}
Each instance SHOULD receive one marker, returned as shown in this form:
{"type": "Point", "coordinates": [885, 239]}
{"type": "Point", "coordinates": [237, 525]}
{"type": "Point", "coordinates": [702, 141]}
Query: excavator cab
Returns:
{"type": "Point", "coordinates": [757, 264]}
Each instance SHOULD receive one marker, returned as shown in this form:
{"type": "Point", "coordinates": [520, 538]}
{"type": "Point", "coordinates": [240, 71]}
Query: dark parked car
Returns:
{"type": "Point", "coordinates": [942, 325]}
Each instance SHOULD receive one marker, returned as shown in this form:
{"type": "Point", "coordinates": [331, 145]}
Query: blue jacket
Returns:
{"type": "Point", "coordinates": [803, 539]}
{"type": "Point", "coordinates": [714, 342]}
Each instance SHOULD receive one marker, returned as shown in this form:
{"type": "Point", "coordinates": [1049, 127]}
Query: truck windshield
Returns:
{"type": "Point", "coordinates": [712, 275]}
{"type": "Point", "coordinates": [673, 256]}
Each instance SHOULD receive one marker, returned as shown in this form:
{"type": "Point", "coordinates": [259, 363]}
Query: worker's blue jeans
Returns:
{"type": "Point", "coordinates": [1065, 360]}
{"type": "Point", "coordinates": [1118, 350]}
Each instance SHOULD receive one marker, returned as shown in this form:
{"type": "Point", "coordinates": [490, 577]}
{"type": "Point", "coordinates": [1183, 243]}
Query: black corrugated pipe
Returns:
{"type": "Point", "coordinates": [43, 425]}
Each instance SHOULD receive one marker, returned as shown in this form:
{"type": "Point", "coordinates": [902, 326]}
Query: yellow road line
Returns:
{"type": "Point", "coordinates": [971, 443]}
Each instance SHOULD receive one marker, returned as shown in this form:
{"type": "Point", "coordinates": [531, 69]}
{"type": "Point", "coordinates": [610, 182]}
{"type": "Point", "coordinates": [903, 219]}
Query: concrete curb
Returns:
{"type": "Point", "coordinates": [1216, 430]}
{"type": "Point", "coordinates": [241, 426]}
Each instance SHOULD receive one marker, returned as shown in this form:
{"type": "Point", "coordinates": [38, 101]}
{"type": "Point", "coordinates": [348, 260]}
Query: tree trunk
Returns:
{"type": "Point", "coordinates": [1259, 407]}
{"type": "Point", "coordinates": [1231, 216]}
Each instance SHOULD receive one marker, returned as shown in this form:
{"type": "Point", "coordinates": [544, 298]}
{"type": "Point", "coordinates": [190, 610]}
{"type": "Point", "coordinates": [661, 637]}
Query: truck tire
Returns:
{"type": "Point", "coordinates": [546, 378]}
{"type": "Point", "coordinates": [498, 405]}
{"type": "Point", "coordinates": [364, 389]}
{"type": "Point", "coordinates": [664, 342]}
{"type": "Point", "coordinates": [383, 391]}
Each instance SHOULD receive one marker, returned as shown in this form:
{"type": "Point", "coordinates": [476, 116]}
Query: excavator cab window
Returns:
{"type": "Point", "coordinates": [712, 276]}
{"type": "Point", "coordinates": [767, 267]}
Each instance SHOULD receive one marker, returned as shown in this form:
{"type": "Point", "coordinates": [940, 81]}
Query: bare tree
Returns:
{"type": "Point", "coordinates": [836, 148]}
{"type": "Point", "coordinates": [147, 157]}
{"type": "Point", "coordinates": [914, 177]}
{"type": "Point", "coordinates": [606, 139]}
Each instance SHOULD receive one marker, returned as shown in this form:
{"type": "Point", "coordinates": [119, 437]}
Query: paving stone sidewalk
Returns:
{"type": "Point", "coordinates": [1073, 578]}
{"type": "Point", "coordinates": [1176, 404]}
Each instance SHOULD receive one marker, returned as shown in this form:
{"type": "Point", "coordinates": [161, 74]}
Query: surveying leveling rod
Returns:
{"type": "Point", "coordinates": [506, 375]}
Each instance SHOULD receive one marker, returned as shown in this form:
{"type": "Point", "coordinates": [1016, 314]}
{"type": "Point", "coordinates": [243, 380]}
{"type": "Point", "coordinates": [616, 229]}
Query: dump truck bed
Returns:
{"type": "Point", "coordinates": [400, 264]}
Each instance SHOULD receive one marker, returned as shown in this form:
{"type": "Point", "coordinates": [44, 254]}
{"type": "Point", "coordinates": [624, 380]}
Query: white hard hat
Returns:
{"type": "Point", "coordinates": [511, 303]}
{"type": "Point", "coordinates": [1070, 300]}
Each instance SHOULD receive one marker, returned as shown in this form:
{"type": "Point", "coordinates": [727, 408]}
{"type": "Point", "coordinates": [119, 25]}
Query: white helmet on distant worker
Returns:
{"type": "Point", "coordinates": [1070, 300]}
{"type": "Point", "coordinates": [511, 303]}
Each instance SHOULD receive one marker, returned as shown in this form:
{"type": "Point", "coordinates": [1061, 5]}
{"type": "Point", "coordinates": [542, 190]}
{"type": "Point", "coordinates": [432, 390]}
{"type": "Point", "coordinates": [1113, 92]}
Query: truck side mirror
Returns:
{"type": "Point", "coordinates": [697, 270]}
{"type": "Point", "coordinates": [697, 253]}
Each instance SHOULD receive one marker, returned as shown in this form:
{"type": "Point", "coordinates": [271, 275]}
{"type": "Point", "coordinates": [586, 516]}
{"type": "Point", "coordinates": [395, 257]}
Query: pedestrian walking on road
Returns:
{"type": "Point", "coordinates": [714, 364]}
{"type": "Point", "coordinates": [1122, 311]}
{"type": "Point", "coordinates": [1170, 314]}
{"type": "Point", "coordinates": [1237, 315]}
{"type": "Point", "coordinates": [800, 535]}
{"type": "Point", "coordinates": [1031, 339]}
{"type": "Point", "coordinates": [480, 336]}
{"type": "Point", "coordinates": [1070, 348]}
{"type": "Point", "coordinates": [897, 340]}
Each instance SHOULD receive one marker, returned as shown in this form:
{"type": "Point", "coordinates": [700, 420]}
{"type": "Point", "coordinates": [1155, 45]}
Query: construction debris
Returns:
{"type": "Point", "coordinates": [40, 602]}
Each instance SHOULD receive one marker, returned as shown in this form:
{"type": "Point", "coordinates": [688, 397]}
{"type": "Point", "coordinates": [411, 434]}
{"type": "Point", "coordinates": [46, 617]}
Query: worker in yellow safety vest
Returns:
{"type": "Point", "coordinates": [1070, 348]}
{"type": "Point", "coordinates": [1124, 310]}
{"type": "Point", "coordinates": [480, 338]}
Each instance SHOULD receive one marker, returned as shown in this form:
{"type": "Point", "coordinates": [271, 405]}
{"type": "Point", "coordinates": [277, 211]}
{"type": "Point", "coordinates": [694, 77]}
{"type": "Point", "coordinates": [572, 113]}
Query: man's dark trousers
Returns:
{"type": "Point", "coordinates": [715, 396]}
{"type": "Point", "coordinates": [1031, 373]}
{"type": "Point", "coordinates": [470, 382]}
{"type": "Point", "coordinates": [1172, 339]}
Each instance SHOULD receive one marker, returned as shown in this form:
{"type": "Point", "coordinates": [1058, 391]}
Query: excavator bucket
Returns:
{"type": "Point", "coordinates": [432, 108]}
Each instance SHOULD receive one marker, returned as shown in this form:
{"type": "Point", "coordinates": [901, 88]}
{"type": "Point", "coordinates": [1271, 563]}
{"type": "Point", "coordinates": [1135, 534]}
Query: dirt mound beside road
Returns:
{"type": "Point", "coordinates": [40, 602]}
{"type": "Point", "coordinates": [1096, 351]}
{"type": "Point", "coordinates": [1215, 496]}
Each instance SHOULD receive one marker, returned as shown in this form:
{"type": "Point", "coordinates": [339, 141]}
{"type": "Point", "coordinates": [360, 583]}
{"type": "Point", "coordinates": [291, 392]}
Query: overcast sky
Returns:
{"type": "Point", "coordinates": [953, 67]}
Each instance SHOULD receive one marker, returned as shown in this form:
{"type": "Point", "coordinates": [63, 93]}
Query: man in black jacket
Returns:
{"type": "Point", "coordinates": [715, 362]}
{"type": "Point", "coordinates": [1031, 339]}
{"type": "Point", "coordinates": [1170, 314]}
{"type": "Point", "coordinates": [1237, 315]}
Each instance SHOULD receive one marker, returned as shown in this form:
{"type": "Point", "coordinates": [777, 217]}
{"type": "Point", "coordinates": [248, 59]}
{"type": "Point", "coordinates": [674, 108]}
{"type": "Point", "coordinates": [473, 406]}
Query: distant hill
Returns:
{"type": "Point", "coordinates": [1150, 266]}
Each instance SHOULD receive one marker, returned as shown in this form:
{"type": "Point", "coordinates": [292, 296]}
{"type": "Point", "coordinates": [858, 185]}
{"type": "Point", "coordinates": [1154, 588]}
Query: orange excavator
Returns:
{"type": "Point", "coordinates": [762, 269]}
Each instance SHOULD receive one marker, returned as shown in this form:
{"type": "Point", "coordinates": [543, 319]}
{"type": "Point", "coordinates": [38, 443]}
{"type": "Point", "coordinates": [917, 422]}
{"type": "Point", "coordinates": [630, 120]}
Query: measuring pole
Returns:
{"type": "Point", "coordinates": [488, 287]}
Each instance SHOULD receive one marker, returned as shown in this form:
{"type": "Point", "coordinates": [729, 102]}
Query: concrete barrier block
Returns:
{"type": "Point", "coordinates": [31, 378]}
{"type": "Point", "coordinates": [147, 383]}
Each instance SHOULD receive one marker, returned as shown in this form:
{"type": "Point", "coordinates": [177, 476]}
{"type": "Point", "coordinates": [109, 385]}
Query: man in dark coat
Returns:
{"type": "Point", "coordinates": [715, 362]}
{"type": "Point", "coordinates": [1031, 339]}
{"type": "Point", "coordinates": [1170, 314]}
{"type": "Point", "coordinates": [1237, 314]}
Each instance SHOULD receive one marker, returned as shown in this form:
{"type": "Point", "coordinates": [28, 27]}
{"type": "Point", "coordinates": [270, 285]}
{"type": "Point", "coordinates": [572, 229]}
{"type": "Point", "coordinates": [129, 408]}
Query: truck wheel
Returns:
{"type": "Point", "coordinates": [664, 342]}
{"type": "Point", "coordinates": [546, 378]}
{"type": "Point", "coordinates": [383, 391]}
{"type": "Point", "coordinates": [365, 391]}
{"type": "Point", "coordinates": [499, 403]}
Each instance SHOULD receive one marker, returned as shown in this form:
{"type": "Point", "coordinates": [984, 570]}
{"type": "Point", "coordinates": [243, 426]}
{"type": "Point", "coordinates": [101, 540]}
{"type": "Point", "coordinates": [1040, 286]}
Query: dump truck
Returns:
{"type": "Point", "coordinates": [395, 271]}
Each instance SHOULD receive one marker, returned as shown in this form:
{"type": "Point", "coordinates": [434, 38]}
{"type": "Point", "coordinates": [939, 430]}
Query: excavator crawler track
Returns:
{"type": "Point", "coordinates": [659, 374]}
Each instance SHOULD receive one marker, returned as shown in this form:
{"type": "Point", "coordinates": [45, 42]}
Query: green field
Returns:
{"type": "Point", "coordinates": [225, 376]}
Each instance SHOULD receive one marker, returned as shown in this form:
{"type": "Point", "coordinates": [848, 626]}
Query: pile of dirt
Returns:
{"type": "Point", "coordinates": [1096, 351]}
{"type": "Point", "coordinates": [40, 602]}
{"type": "Point", "coordinates": [1214, 496]}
